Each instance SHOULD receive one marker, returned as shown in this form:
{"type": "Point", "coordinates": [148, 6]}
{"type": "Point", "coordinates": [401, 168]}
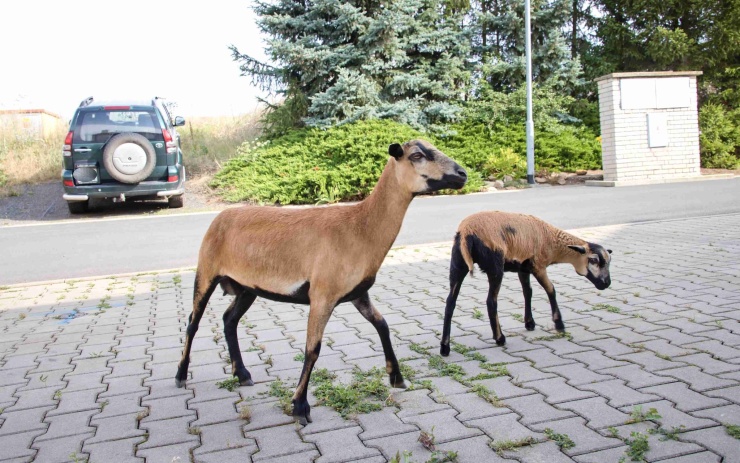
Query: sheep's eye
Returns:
{"type": "Point", "coordinates": [416, 156]}
{"type": "Point", "coordinates": [593, 260]}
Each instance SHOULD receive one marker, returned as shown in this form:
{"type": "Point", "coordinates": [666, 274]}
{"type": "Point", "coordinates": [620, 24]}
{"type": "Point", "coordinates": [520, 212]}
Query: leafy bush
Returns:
{"type": "Point", "coordinates": [310, 166]}
{"type": "Point", "coordinates": [720, 136]}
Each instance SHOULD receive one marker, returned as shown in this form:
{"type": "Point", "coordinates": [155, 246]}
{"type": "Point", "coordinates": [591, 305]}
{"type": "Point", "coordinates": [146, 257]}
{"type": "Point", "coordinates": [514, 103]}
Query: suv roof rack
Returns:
{"type": "Point", "coordinates": [86, 102]}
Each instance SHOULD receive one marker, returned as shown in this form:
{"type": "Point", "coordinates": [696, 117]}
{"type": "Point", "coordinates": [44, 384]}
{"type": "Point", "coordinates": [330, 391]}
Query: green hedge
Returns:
{"type": "Point", "coordinates": [720, 136]}
{"type": "Point", "coordinates": [310, 166]}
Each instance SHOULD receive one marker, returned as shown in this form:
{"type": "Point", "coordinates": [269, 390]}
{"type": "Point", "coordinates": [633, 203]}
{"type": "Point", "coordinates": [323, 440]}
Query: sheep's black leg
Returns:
{"type": "Point", "coordinates": [527, 290]}
{"type": "Point", "coordinates": [494, 285]}
{"type": "Point", "coordinates": [318, 317]}
{"type": "Point", "coordinates": [201, 293]}
{"type": "Point", "coordinates": [458, 272]}
{"type": "Point", "coordinates": [546, 284]}
{"type": "Point", "coordinates": [232, 315]}
{"type": "Point", "coordinates": [371, 314]}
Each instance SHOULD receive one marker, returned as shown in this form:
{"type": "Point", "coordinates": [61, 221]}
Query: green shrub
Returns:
{"type": "Point", "coordinates": [506, 162]}
{"type": "Point", "coordinates": [311, 166]}
{"type": "Point", "coordinates": [720, 136]}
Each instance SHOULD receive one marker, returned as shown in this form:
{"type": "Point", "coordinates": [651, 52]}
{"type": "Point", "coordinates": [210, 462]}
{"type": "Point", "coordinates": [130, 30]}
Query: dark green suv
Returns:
{"type": "Point", "coordinates": [122, 150]}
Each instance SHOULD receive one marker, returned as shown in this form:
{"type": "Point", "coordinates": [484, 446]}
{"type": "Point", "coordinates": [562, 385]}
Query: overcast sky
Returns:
{"type": "Point", "coordinates": [53, 54]}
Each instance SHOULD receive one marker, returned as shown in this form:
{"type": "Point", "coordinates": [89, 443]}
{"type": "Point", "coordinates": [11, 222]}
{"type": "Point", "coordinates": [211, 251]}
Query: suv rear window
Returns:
{"type": "Point", "coordinates": [97, 126]}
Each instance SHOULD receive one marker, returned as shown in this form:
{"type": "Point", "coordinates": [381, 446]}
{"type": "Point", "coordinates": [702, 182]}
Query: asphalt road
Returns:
{"type": "Point", "coordinates": [111, 246]}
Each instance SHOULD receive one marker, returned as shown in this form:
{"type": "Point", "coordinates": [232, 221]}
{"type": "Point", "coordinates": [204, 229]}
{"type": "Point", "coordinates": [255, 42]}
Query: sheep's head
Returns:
{"type": "Point", "coordinates": [593, 263]}
{"type": "Point", "coordinates": [422, 168]}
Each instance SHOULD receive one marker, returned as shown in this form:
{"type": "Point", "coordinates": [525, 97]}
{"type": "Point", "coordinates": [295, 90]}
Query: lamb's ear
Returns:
{"type": "Point", "coordinates": [579, 249]}
{"type": "Point", "coordinates": [396, 151]}
{"type": "Point", "coordinates": [609, 251]}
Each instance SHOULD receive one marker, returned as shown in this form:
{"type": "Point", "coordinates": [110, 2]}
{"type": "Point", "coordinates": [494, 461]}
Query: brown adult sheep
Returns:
{"type": "Point", "coordinates": [320, 256]}
{"type": "Point", "coordinates": [506, 242]}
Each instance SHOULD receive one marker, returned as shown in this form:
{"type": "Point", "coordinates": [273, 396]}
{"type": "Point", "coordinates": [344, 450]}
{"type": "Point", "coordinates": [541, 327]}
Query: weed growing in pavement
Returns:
{"type": "Point", "coordinates": [366, 393]}
{"type": "Point", "coordinates": [504, 445]}
{"type": "Point", "coordinates": [283, 394]}
{"type": "Point", "coordinates": [518, 317]}
{"type": "Point", "coordinates": [268, 360]}
{"type": "Point", "coordinates": [638, 415]}
{"type": "Point", "coordinates": [668, 434]}
{"type": "Point", "coordinates": [245, 412]}
{"type": "Point", "coordinates": [437, 456]}
{"type": "Point", "coordinates": [142, 414]}
{"type": "Point", "coordinates": [607, 307]}
{"type": "Point", "coordinates": [230, 384]}
{"type": "Point", "coordinates": [427, 439]}
{"type": "Point", "coordinates": [733, 430]}
{"type": "Point", "coordinates": [663, 356]}
{"type": "Point", "coordinates": [76, 458]}
{"type": "Point", "coordinates": [637, 447]}
{"type": "Point", "coordinates": [477, 314]}
{"type": "Point", "coordinates": [552, 337]}
{"type": "Point", "coordinates": [419, 349]}
{"type": "Point", "coordinates": [300, 357]}
{"type": "Point", "coordinates": [194, 431]}
{"type": "Point", "coordinates": [562, 440]}
{"type": "Point", "coordinates": [21, 316]}
{"type": "Point", "coordinates": [486, 394]}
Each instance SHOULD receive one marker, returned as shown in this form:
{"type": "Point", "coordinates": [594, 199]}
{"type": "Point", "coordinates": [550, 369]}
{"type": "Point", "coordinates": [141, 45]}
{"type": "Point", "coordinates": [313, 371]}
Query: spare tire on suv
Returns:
{"type": "Point", "coordinates": [129, 158]}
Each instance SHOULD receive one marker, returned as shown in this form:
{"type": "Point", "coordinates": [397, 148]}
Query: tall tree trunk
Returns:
{"type": "Point", "coordinates": [574, 30]}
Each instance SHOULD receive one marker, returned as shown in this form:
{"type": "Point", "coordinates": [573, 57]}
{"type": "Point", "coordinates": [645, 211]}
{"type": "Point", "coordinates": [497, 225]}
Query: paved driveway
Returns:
{"type": "Point", "coordinates": [653, 363]}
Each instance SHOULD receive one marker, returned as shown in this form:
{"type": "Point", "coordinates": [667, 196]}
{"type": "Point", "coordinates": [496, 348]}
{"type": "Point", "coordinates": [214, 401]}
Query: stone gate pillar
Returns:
{"type": "Point", "coordinates": [649, 127]}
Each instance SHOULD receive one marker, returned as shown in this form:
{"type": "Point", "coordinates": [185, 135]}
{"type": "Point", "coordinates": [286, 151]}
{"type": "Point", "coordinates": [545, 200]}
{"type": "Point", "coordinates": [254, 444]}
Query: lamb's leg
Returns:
{"type": "Point", "coordinates": [494, 285]}
{"type": "Point", "coordinates": [458, 272]}
{"type": "Point", "coordinates": [232, 315]}
{"type": "Point", "coordinates": [202, 291]}
{"type": "Point", "coordinates": [371, 314]}
{"type": "Point", "coordinates": [318, 317]}
{"type": "Point", "coordinates": [527, 290]}
{"type": "Point", "coordinates": [546, 284]}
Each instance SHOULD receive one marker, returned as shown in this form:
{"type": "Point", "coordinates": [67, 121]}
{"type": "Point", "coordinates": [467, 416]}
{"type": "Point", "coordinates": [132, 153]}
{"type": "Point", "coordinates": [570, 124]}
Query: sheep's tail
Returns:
{"type": "Point", "coordinates": [465, 251]}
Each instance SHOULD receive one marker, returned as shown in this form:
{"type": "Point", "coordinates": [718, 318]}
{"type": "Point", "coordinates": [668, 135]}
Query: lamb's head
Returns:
{"type": "Point", "coordinates": [422, 168]}
{"type": "Point", "coordinates": [593, 263]}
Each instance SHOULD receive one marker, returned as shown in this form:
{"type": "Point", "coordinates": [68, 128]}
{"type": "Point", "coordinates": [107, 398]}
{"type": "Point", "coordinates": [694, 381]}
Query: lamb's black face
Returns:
{"type": "Point", "coordinates": [598, 266]}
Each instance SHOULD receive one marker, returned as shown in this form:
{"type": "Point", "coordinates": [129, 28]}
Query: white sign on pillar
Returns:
{"type": "Point", "coordinates": [657, 130]}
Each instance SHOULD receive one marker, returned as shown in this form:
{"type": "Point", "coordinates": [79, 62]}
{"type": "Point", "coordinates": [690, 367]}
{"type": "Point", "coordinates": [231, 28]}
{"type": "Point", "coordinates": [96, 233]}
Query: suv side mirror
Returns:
{"type": "Point", "coordinates": [179, 121]}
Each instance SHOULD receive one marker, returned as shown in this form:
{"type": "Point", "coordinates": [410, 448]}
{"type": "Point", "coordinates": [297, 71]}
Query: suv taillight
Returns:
{"type": "Point", "coordinates": [171, 145]}
{"type": "Point", "coordinates": [67, 149]}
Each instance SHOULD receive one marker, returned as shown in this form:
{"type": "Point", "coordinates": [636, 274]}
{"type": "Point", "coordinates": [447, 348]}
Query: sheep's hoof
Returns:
{"type": "Point", "coordinates": [398, 382]}
{"type": "Point", "coordinates": [529, 325]}
{"type": "Point", "coordinates": [501, 341]}
{"type": "Point", "coordinates": [302, 413]}
{"type": "Point", "coordinates": [245, 379]}
{"type": "Point", "coordinates": [444, 350]}
{"type": "Point", "coordinates": [560, 326]}
{"type": "Point", "coordinates": [180, 383]}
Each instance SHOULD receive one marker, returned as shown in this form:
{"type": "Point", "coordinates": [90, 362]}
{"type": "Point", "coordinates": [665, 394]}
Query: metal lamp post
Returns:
{"type": "Point", "coordinates": [530, 122]}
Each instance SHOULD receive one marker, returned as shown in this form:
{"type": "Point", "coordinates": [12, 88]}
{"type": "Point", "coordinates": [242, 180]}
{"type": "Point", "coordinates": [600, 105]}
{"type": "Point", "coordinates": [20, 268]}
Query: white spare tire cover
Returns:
{"type": "Point", "coordinates": [129, 157]}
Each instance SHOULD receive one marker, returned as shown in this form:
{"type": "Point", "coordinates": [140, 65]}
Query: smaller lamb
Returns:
{"type": "Point", "coordinates": [506, 242]}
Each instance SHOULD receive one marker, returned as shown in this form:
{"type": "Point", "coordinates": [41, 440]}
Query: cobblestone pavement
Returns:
{"type": "Point", "coordinates": [650, 365]}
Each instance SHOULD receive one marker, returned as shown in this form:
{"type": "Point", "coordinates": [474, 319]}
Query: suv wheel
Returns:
{"type": "Point", "coordinates": [175, 202]}
{"type": "Point", "coordinates": [77, 207]}
{"type": "Point", "coordinates": [129, 157]}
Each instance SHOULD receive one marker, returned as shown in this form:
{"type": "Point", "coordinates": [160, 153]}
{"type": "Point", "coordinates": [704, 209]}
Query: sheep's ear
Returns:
{"type": "Point", "coordinates": [579, 249]}
{"type": "Point", "coordinates": [396, 151]}
{"type": "Point", "coordinates": [609, 251]}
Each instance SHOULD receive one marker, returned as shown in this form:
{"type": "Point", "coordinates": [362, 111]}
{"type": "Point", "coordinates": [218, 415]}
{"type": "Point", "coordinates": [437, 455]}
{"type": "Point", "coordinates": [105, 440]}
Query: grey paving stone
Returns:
{"type": "Point", "coordinates": [717, 349]}
{"type": "Point", "coordinates": [471, 406]}
{"type": "Point", "coordinates": [504, 388]}
{"type": "Point", "coordinates": [620, 395]}
{"type": "Point", "coordinates": [382, 423]}
{"type": "Point", "coordinates": [341, 445]}
{"type": "Point", "coordinates": [120, 405]}
{"type": "Point", "coordinates": [685, 399]}
{"type": "Point", "coordinates": [446, 386]}
{"type": "Point", "coordinates": [167, 408]}
{"type": "Point", "coordinates": [543, 358]}
{"type": "Point", "coordinates": [636, 377]}
{"type": "Point", "coordinates": [61, 450]}
{"type": "Point", "coordinates": [710, 365]}
{"type": "Point", "coordinates": [730, 393]}
{"type": "Point", "coordinates": [176, 453]}
{"type": "Point", "coordinates": [266, 415]}
{"type": "Point", "coordinates": [19, 445]}
{"type": "Point", "coordinates": [700, 457]}
{"type": "Point", "coordinates": [120, 450]}
{"type": "Point", "coordinates": [326, 419]}
{"type": "Point", "coordinates": [676, 337]}
{"type": "Point", "coordinates": [610, 345]}
{"type": "Point", "coordinates": [397, 444]}
{"type": "Point", "coordinates": [523, 372]}
{"type": "Point", "coordinates": [231, 454]}
{"type": "Point", "coordinates": [651, 362]}
{"type": "Point", "coordinates": [117, 427]}
{"type": "Point", "coordinates": [596, 360]}
{"type": "Point", "coordinates": [585, 439]}
{"type": "Point", "coordinates": [533, 409]}
{"type": "Point", "coordinates": [34, 398]}
{"type": "Point", "coordinates": [416, 402]}
{"type": "Point", "coordinates": [728, 414]}
{"type": "Point", "coordinates": [545, 452]}
{"type": "Point", "coordinates": [602, 456]}
{"type": "Point", "coordinates": [576, 374]}
{"type": "Point", "coordinates": [77, 401]}
{"type": "Point", "coordinates": [67, 425]}
{"type": "Point", "coordinates": [225, 436]}
{"type": "Point", "coordinates": [556, 390]}
{"type": "Point", "coordinates": [124, 385]}
{"type": "Point", "coordinates": [471, 450]}
{"type": "Point", "coordinates": [503, 427]}
{"type": "Point", "coordinates": [168, 432]}
{"type": "Point", "coordinates": [278, 441]}
{"type": "Point", "coordinates": [597, 412]}
{"type": "Point", "coordinates": [697, 380]}
{"type": "Point", "coordinates": [31, 419]}
{"type": "Point", "coordinates": [671, 417]}
{"type": "Point", "coordinates": [446, 426]}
